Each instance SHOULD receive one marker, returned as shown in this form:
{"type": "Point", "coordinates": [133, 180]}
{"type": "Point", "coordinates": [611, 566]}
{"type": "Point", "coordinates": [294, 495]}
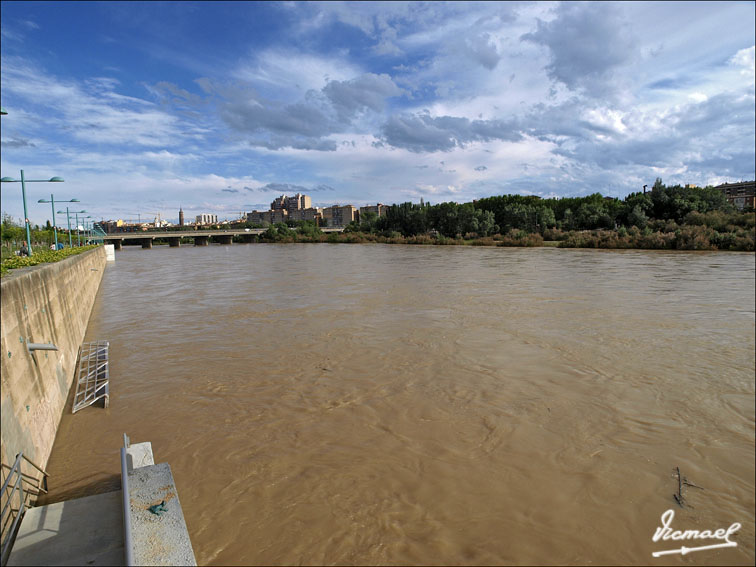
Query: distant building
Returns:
{"type": "Point", "coordinates": [739, 194]}
{"type": "Point", "coordinates": [278, 203]}
{"type": "Point", "coordinates": [339, 215]}
{"type": "Point", "coordinates": [296, 203]}
{"type": "Point", "coordinates": [115, 226]}
{"type": "Point", "coordinates": [308, 214]}
{"type": "Point", "coordinates": [279, 215]}
{"type": "Point", "coordinates": [264, 217]}
{"type": "Point", "coordinates": [283, 208]}
{"type": "Point", "coordinates": [111, 226]}
{"type": "Point", "coordinates": [379, 210]}
{"type": "Point", "coordinates": [181, 216]}
{"type": "Point", "coordinates": [206, 219]}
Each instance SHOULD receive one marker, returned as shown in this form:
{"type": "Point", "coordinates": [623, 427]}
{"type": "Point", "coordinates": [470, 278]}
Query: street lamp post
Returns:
{"type": "Point", "coordinates": [68, 219]}
{"type": "Point", "coordinates": [52, 200]}
{"type": "Point", "coordinates": [78, 234]}
{"type": "Point", "coordinates": [86, 227]}
{"type": "Point", "coordinates": [23, 182]}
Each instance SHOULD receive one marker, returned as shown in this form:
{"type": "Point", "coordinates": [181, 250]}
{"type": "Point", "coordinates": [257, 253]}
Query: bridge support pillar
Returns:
{"type": "Point", "coordinates": [225, 238]}
{"type": "Point", "coordinates": [174, 242]}
{"type": "Point", "coordinates": [147, 243]}
{"type": "Point", "coordinates": [118, 244]}
{"type": "Point", "coordinates": [201, 240]}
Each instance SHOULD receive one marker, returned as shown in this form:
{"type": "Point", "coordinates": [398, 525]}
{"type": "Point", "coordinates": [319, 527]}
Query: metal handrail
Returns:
{"type": "Point", "coordinates": [127, 545]}
{"type": "Point", "coordinates": [8, 510]}
{"type": "Point", "coordinates": [45, 474]}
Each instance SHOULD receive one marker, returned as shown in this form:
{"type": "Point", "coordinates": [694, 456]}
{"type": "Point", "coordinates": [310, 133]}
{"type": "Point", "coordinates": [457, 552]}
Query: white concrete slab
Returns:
{"type": "Point", "coordinates": [158, 539]}
{"type": "Point", "coordinates": [84, 531]}
{"type": "Point", "coordinates": [139, 455]}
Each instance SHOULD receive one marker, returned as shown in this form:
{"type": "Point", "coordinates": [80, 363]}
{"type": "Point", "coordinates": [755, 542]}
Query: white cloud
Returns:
{"type": "Point", "coordinates": [289, 73]}
{"type": "Point", "coordinates": [583, 104]}
{"type": "Point", "coordinates": [746, 59]}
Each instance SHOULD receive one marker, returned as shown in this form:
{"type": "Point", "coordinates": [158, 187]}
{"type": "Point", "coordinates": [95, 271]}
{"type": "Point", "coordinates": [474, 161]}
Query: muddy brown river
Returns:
{"type": "Point", "coordinates": [418, 405]}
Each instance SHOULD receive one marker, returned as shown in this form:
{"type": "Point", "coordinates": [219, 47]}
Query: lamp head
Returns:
{"type": "Point", "coordinates": [7, 180]}
{"type": "Point", "coordinates": [56, 179]}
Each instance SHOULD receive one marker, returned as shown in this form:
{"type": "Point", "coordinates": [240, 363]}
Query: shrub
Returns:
{"type": "Point", "coordinates": [41, 257]}
{"type": "Point", "coordinates": [520, 238]}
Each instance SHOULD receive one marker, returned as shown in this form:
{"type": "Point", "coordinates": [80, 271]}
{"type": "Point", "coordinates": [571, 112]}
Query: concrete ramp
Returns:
{"type": "Point", "coordinates": [84, 531]}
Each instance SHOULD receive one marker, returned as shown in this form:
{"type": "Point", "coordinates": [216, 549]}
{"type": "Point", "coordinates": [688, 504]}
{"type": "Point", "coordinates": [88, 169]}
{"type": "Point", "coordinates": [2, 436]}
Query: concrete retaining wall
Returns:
{"type": "Point", "coordinates": [48, 303]}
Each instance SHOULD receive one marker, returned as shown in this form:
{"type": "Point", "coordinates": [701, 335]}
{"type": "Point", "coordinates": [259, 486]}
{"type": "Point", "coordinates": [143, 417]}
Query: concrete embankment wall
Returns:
{"type": "Point", "coordinates": [48, 303]}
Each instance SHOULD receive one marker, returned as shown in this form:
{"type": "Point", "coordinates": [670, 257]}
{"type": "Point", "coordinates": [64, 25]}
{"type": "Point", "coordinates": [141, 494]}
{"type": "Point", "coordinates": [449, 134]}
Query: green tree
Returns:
{"type": "Point", "coordinates": [11, 232]}
{"type": "Point", "coordinates": [637, 217]}
{"type": "Point", "coordinates": [309, 229]}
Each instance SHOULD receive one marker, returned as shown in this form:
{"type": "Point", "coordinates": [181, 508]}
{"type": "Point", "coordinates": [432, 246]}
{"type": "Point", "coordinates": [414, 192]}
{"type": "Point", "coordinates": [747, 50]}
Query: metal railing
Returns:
{"type": "Point", "coordinates": [97, 235]}
{"type": "Point", "coordinates": [128, 547]}
{"type": "Point", "coordinates": [14, 491]}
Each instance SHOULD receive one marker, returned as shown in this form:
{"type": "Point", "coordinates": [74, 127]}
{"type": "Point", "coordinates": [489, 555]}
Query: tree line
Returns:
{"type": "Point", "coordinates": [504, 213]}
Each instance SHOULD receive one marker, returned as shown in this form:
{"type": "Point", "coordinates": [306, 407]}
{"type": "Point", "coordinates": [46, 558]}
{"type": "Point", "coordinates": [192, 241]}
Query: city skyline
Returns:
{"type": "Point", "coordinates": [220, 107]}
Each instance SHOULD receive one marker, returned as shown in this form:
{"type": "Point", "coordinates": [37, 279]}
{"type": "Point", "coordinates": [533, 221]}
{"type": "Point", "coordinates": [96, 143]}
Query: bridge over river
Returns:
{"type": "Point", "coordinates": [201, 237]}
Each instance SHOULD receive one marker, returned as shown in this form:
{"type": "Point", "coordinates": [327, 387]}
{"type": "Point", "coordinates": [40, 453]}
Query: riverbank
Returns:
{"type": "Point", "coordinates": [47, 304]}
{"type": "Point", "coordinates": [677, 238]}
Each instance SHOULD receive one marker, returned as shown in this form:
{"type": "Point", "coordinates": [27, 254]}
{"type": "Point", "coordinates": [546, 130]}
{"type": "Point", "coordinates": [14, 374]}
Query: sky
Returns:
{"type": "Point", "coordinates": [219, 107]}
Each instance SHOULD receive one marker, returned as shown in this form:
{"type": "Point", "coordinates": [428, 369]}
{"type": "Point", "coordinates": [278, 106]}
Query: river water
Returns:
{"type": "Point", "coordinates": [387, 404]}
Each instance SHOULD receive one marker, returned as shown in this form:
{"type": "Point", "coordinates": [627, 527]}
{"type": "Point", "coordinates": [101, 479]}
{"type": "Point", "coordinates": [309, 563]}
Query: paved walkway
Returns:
{"type": "Point", "coordinates": [84, 531]}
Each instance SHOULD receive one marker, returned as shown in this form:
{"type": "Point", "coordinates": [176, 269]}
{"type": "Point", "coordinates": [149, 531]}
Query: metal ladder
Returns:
{"type": "Point", "coordinates": [92, 377]}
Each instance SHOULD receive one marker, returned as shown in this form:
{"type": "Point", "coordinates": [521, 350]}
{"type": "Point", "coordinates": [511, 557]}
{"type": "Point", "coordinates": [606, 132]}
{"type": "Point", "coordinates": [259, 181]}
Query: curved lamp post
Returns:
{"type": "Point", "coordinates": [23, 182]}
{"type": "Point", "coordinates": [68, 219]}
{"type": "Point", "coordinates": [78, 234]}
{"type": "Point", "coordinates": [89, 227]}
{"type": "Point", "coordinates": [52, 200]}
{"type": "Point", "coordinates": [85, 225]}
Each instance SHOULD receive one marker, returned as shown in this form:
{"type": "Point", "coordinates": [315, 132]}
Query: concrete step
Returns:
{"type": "Point", "coordinates": [90, 530]}
{"type": "Point", "coordinates": [158, 539]}
{"type": "Point", "coordinates": [84, 531]}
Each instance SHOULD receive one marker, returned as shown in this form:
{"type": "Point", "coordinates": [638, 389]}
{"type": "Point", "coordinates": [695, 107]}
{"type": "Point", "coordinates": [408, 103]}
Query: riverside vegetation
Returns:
{"type": "Point", "coordinates": [41, 257]}
{"type": "Point", "coordinates": [673, 218]}
{"type": "Point", "coordinates": [667, 218]}
{"type": "Point", "coordinates": [12, 234]}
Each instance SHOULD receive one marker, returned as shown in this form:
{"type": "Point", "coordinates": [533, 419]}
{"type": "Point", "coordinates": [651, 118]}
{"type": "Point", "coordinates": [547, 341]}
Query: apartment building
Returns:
{"type": "Point", "coordinates": [308, 214]}
{"type": "Point", "coordinates": [339, 215]}
{"type": "Point", "coordinates": [259, 217]}
{"type": "Point", "coordinates": [741, 194]}
{"type": "Point", "coordinates": [379, 209]}
{"type": "Point", "coordinates": [296, 203]}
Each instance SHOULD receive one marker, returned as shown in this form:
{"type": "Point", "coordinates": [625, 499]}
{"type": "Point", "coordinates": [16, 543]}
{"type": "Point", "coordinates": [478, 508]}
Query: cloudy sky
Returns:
{"type": "Point", "coordinates": [220, 107]}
